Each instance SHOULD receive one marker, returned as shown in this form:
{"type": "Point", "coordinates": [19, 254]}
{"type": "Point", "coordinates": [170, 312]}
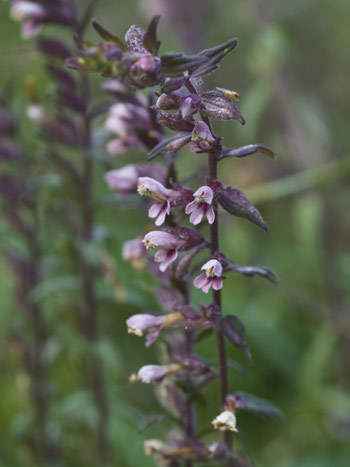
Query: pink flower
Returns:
{"type": "Point", "coordinates": [211, 277]}
{"type": "Point", "coordinates": [149, 187]}
{"type": "Point", "coordinates": [169, 244]}
{"type": "Point", "coordinates": [152, 324]}
{"type": "Point", "coordinates": [202, 205]}
{"type": "Point", "coordinates": [32, 13]}
{"type": "Point", "coordinates": [124, 180]}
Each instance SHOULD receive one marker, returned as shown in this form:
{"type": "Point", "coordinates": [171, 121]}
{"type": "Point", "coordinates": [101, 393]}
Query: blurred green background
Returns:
{"type": "Point", "coordinates": [292, 70]}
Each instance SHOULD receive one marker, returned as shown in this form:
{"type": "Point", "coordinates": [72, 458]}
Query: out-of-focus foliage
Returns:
{"type": "Point", "coordinates": [291, 68]}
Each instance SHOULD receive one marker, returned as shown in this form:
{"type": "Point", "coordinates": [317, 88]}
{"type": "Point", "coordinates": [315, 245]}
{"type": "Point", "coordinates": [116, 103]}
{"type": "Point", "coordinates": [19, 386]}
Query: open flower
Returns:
{"type": "Point", "coordinates": [149, 187]}
{"type": "Point", "coordinates": [152, 324]}
{"type": "Point", "coordinates": [225, 421]}
{"type": "Point", "coordinates": [169, 246]}
{"type": "Point", "coordinates": [211, 277]}
{"type": "Point", "coordinates": [202, 205]}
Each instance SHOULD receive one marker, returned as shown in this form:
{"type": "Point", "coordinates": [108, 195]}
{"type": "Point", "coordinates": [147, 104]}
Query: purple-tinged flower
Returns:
{"type": "Point", "coordinates": [201, 206]}
{"type": "Point", "coordinates": [156, 373]}
{"type": "Point", "coordinates": [203, 139]}
{"type": "Point", "coordinates": [149, 187]}
{"type": "Point", "coordinates": [190, 105]}
{"type": "Point", "coordinates": [152, 324]}
{"type": "Point", "coordinates": [124, 180]}
{"type": "Point", "coordinates": [225, 421]}
{"type": "Point", "coordinates": [123, 119]}
{"type": "Point", "coordinates": [175, 122]}
{"type": "Point", "coordinates": [34, 14]}
{"type": "Point", "coordinates": [169, 246]}
{"type": "Point", "coordinates": [134, 251]}
{"type": "Point", "coordinates": [211, 277]}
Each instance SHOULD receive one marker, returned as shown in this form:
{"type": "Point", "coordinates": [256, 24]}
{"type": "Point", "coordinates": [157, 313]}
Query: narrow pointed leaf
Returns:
{"type": "Point", "coordinates": [245, 151]}
{"type": "Point", "coordinates": [234, 330]}
{"type": "Point", "coordinates": [169, 145]}
{"type": "Point", "coordinates": [257, 405]}
{"type": "Point", "coordinates": [106, 35]}
{"type": "Point", "coordinates": [236, 203]}
{"type": "Point", "coordinates": [251, 271]}
{"type": "Point", "coordinates": [150, 41]}
{"type": "Point", "coordinates": [220, 50]}
{"type": "Point", "coordinates": [174, 64]}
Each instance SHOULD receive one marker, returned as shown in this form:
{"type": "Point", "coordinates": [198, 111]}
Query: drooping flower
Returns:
{"type": "Point", "coordinates": [211, 277]}
{"type": "Point", "coordinates": [225, 421]}
{"type": "Point", "coordinates": [169, 246]}
{"type": "Point", "coordinates": [201, 206]}
{"type": "Point", "coordinates": [34, 14]}
{"type": "Point", "coordinates": [134, 251]}
{"type": "Point", "coordinates": [123, 118]}
{"type": "Point", "coordinates": [203, 139]}
{"type": "Point", "coordinates": [152, 324]}
{"type": "Point", "coordinates": [156, 373]}
{"type": "Point", "coordinates": [149, 187]}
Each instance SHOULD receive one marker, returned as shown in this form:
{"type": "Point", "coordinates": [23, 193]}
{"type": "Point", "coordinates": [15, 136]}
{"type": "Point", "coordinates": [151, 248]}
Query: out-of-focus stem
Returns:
{"type": "Point", "coordinates": [88, 280]}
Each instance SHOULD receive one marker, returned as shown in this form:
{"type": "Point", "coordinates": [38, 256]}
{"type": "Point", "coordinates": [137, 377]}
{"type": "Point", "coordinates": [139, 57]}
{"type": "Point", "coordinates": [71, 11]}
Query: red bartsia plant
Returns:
{"type": "Point", "coordinates": [179, 104]}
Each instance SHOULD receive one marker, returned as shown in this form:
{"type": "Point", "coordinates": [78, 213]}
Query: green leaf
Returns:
{"type": "Point", "coordinates": [150, 41]}
{"type": "Point", "coordinates": [149, 420]}
{"type": "Point", "coordinates": [106, 35]}
{"type": "Point", "coordinates": [236, 203]}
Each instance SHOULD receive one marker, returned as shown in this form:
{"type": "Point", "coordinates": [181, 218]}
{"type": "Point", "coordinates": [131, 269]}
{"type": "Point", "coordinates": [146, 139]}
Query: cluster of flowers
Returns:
{"type": "Point", "coordinates": [179, 107]}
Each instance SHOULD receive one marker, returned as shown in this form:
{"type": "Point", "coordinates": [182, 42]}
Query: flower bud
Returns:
{"type": "Point", "coordinates": [203, 140]}
{"type": "Point", "coordinates": [216, 105]}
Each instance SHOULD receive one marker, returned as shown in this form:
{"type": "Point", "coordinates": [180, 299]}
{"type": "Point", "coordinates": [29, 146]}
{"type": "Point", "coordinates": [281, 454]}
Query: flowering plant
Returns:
{"type": "Point", "coordinates": [179, 104]}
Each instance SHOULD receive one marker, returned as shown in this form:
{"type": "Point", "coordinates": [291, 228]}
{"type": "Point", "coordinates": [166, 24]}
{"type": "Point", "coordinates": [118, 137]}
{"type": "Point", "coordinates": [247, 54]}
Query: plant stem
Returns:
{"type": "Point", "coordinates": [214, 248]}
{"type": "Point", "coordinates": [88, 280]}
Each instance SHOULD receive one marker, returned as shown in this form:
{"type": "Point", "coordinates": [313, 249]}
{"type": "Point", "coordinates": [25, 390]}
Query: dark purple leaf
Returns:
{"type": "Point", "coordinates": [169, 144]}
{"type": "Point", "coordinates": [233, 329]}
{"type": "Point", "coordinates": [53, 48]}
{"type": "Point", "coordinates": [247, 151]}
{"type": "Point", "coordinates": [62, 77]}
{"type": "Point", "coordinates": [214, 104]}
{"type": "Point", "coordinates": [251, 271]}
{"type": "Point", "coordinates": [150, 41]}
{"type": "Point", "coordinates": [220, 49]}
{"type": "Point", "coordinates": [236, 203]}
{"type": "Point", "coordinates": [176, 63]}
